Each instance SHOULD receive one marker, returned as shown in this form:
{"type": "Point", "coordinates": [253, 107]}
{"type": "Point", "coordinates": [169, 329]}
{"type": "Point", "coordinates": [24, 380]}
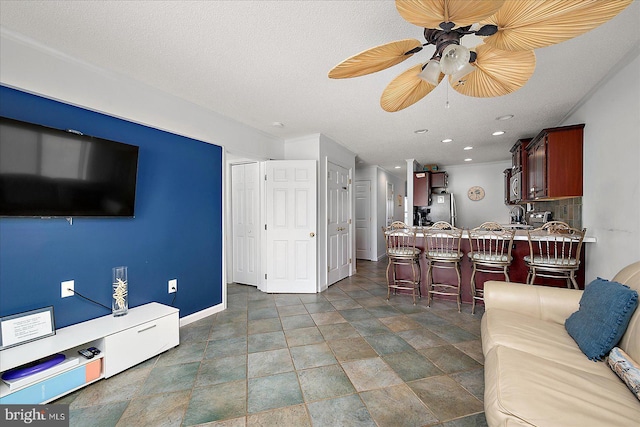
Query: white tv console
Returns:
{"type": "Point", "coordinates": [124, 341]}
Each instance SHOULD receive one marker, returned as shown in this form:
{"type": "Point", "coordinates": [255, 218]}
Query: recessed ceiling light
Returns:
{"type": "Point", "coordinates": [398, 167]}
{"type": "Point", "coordinates": [467, 160]}
{"type": "Point", "coordinates": [498, 133]}
{"type": "Point", "coordinates": [468, 147]}
{"type": "Point", "coordinates": [421, 131]}
{"type": "Point", "coordinates": [447, 140]}
{"type": "Point", "coordinates": [505, 117]}
{"type": "Point", "coordinates": [277, 124]}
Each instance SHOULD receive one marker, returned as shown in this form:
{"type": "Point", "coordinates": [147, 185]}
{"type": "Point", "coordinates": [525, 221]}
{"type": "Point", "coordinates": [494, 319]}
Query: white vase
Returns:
{"type": "Point", "coordinates": [120, 292]}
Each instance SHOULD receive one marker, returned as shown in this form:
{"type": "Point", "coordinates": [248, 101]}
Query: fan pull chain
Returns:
{"type": "Point", "coordinates": [446, 105]}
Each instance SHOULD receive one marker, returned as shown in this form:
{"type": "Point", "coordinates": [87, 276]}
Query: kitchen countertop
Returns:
{"type": "Point", "coordinates": [521, 235]}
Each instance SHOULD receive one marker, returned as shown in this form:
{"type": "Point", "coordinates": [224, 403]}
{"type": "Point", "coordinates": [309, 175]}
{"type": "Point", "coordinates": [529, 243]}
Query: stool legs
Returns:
{"type": "Point", "coordinates": [431, 286]}
{"type": "Point", "coordinates": [396, 283]}
{"type": "Point", "coordinates": [478, 294]}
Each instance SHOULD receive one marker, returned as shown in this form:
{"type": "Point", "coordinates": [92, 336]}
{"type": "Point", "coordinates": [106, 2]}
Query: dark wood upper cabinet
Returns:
{"type": "Point", "coordinates": [421, 188]}
{"type": "Point", "coordinates": [554, 163]}
{"type": "Point", "coordinates": [439, 179]}
{"type": "Point", "coordinates": [519, 154]}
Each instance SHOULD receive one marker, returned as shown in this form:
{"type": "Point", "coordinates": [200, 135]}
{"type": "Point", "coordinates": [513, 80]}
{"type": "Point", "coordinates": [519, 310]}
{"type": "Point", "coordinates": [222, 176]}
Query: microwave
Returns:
{"type": "Point", "coordinates": [515, 187]}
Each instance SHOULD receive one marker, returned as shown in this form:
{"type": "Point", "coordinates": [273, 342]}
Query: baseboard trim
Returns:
{"type": "Point", "coordinates": [194, 317]}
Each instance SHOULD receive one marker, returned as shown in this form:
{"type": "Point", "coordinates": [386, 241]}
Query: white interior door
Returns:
{"type": "Point", "coordinates": [245, 218]}
{"type": "Point", "coordinates": [291, 204]}
{"type": "Point", "coordinates": [363, 219]}
{"type": "Point", "coordinates": [390, 207]}
{"type": "Point", "coordinates": [338, 223]}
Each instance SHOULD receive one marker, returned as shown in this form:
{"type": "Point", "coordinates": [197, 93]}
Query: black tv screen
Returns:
{"type": "Point", "coordinates": [46, 172]}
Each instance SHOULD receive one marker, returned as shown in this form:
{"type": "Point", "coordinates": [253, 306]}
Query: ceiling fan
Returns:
{"type": "Point", "coordinates": [502, 64]}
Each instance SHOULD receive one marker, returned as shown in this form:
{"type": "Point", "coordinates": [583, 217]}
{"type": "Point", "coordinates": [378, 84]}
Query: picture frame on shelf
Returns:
{"type": "Point", "coordinates": [27, 326]}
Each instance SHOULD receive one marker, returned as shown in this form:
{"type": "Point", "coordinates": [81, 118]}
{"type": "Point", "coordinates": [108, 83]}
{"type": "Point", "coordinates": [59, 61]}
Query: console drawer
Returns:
{"type": "Point", "coordinates": [137, 344]}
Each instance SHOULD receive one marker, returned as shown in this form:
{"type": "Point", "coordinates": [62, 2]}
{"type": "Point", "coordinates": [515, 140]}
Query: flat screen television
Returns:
{"type": "Point", "coordinates": [46, 172]}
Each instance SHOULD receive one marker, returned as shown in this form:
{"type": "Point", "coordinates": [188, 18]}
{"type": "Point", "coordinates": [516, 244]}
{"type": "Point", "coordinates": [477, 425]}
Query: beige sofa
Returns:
{"type": "Point", "coordinates": [535, 374]}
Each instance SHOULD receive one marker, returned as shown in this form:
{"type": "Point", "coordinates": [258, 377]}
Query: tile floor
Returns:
{"type": "Point", "coordinates": [345, 357]}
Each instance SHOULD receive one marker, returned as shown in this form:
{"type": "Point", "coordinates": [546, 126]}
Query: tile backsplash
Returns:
{"type": "Point", "coordinates": [566, 210]}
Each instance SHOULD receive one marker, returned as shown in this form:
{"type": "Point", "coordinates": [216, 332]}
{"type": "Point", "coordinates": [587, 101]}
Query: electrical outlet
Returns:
{"type": "Point", "coordinates": [173, 286]}
{"type": "Point", "coordinates": [64, 286]}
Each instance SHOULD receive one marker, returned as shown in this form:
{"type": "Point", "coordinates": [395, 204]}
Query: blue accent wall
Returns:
{"type": "Point", "coordinates": [176, 231]}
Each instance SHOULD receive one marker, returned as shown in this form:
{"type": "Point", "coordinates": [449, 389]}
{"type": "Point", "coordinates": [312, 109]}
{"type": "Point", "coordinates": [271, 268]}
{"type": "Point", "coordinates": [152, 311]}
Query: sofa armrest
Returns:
{"type": "Point", "coordinates": [542, 302]}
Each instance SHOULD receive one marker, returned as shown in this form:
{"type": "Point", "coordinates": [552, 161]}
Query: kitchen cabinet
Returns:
{"type": "Point", "coordinates": [421, 188]}
{"type": "Point", "coordinates": [439, 179]}
{"type": "Point", "coordinates": [554, 163]}
{"type": "Point", "coordinates": [514, 178]}
{"type": "Point", "coordinates": [519, 154]}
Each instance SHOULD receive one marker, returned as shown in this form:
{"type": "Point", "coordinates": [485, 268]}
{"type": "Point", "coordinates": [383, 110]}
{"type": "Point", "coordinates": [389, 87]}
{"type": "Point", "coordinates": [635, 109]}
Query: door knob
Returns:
{"type": "Point", "coordinates": [312, 234]}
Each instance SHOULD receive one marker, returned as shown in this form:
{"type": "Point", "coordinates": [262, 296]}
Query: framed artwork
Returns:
{"type": "Point", "coordinates": [27, 326]}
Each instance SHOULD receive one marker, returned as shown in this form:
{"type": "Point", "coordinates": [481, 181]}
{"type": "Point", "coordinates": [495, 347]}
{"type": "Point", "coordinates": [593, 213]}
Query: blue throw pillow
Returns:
{"type": "Point", "coordinates": [605, 310]}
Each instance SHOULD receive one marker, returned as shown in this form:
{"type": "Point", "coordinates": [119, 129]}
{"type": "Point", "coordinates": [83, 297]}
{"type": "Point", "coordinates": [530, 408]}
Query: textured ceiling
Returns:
{"type": "Point", "coordinates": [260, 62]}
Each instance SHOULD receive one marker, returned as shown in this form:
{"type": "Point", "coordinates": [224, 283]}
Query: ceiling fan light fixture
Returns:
{"type": "Point", "coordinates": [454, 58]}
{"type": "Point", "coordinates": [431, 72]}
{"type": "Point", "coordinates": [459, 76]}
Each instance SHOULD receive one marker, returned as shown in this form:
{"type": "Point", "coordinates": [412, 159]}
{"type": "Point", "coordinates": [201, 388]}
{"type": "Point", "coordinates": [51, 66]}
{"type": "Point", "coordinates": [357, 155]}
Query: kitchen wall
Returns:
{"type": "Point", "coordinates": [486, 175]}
{"type": "Point", "coordinates": [567, 210]}
{"type": "Point", "coordinates": [176, 232]}
{"type": "Point", "coordinates": [611, 201]}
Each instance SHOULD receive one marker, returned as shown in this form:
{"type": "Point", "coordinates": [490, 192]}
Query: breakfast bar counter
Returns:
{"type": "Point", "coordinates": [517, 271]}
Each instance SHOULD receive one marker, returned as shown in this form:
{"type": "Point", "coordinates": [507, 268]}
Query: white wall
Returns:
{"type": "Point", "coordinates": [36, 69]}
{"type": "Point", "coordinates": [488, 176]}
{"type": "Point", "coordinates": [611, 206]}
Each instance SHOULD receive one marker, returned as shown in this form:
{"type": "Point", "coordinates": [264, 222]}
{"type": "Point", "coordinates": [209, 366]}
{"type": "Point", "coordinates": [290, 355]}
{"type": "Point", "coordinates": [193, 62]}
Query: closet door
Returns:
{"type": "Point", "coordinates": [291, 211]}
{"type": "Point", "coordinates": [245, 217]}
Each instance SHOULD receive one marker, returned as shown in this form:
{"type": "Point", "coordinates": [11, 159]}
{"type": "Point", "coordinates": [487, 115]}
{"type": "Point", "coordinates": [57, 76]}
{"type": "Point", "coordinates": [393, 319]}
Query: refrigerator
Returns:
{"type": "Point", "coordinates": [442, 208]}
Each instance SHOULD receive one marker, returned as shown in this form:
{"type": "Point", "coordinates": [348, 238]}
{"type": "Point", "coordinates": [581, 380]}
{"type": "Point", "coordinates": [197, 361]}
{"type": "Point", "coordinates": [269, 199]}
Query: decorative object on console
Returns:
{"type": "Point", "coordinates": [120, 300]}
{"type": "Point", "coordinates": [605, 310]}
{"type": "Point", "coordinates": [28, 326]}
{"type": "Point", "coordinates": [33, 367]}
{"type": "Point", "coordinates": [626, 368]}
{"type": "Point", "coordinates": [499, 66]}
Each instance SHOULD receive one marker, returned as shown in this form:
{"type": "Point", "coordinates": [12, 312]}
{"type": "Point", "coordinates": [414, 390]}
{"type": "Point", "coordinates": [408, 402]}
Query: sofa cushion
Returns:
{"type": "Point", "coordinates": [523, 389]}
{"type": "Point", "coordinates": [605, 310]}
{"type": "Point", "coordinates": [541, 338]}
{"type": "Point", "coordinates": [626, 368]}
{"type": "Point", "coordinates": [630, 342]}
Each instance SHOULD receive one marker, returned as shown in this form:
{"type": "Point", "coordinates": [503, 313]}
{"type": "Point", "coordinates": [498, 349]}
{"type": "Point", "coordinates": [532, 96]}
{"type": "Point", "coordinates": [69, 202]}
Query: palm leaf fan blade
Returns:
{"type": "Point", "coordinates": [375, 59]}
{"type": "Point", "coordinates": [405, 90]}
{"type": "Point", "coordinates": [498, 72]}
{"type": "Point", "coordinates": [430, 13]}
{"type": "Point", "coordinates": [532, 24]}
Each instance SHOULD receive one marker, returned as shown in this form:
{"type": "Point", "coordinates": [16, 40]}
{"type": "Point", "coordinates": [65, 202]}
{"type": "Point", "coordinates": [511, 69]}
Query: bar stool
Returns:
{"type": "Point", "coordinates": [401, 251]}
{"type": "Point", "coordinates": [442, 250]}
{"type": "Point", "coordinates": [490, 245]}
{"type": "Point", "coordinates": [554, 252]}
